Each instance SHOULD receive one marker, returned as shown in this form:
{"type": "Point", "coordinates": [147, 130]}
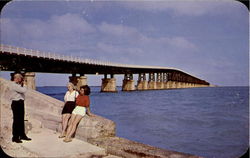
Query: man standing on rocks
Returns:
{"type": "Point", "coordinates": [17, 106]}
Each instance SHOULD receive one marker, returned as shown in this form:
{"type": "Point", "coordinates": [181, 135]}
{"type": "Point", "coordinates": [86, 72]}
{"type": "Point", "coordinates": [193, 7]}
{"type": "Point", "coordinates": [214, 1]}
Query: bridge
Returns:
{"type": "Point", "coordinates": [29, 61]}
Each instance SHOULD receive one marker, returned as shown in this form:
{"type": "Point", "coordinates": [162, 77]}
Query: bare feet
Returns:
{"type": "Point", "coordinates": [66, 140]}
{"type": "Point", "coordinates": [62, 135]}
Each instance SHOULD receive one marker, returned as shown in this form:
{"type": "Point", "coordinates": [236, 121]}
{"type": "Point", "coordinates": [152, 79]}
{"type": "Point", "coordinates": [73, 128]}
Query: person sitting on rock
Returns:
{"type": "Point", "coordinates": [82, 108]}
{"type": "Point", "coordinates": [69, 106]}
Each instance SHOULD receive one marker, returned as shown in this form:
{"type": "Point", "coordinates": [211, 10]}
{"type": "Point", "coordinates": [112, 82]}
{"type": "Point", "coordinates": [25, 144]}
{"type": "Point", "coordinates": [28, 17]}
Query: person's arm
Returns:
{"type": "Point", "coordinates": [88, 111]}
{"type": "Point", "coordinates": [77, 94]}
{"type": "Point", "coordinates": [65, 96]}
{"type": "Point", "coordinates": [18, 88]}
{"type": "Point", "coordinates": [88, 108]}
{"type": "Point", "coordinates": [77, 100]}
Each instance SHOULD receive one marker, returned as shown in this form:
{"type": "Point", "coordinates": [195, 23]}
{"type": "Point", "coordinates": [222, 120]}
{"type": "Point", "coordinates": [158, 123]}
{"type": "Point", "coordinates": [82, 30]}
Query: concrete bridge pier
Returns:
{"type": "Point", "coordinates": [169, 84]}
{"type": "Point", "coordinates": [166, 85]}
{"type": "Point", "coordinates": [73, 79]}
{"type": "Point", "coordinates": [165, 81]}
{"type": "Point", "coordinates": [174, 84]}
{"type": "Point", "coordinates": [142, 83]}
{"type": "Point", "coordinates": [189, 85]}
{"type": "Point", "coordinates": [108, 84]}
{"type": "Point", "coordinates": [179, 84]}
{"type": "Point", "coordinates": [192, 85]}
{"type": "Point", "coordinates": [184, 85]}
{"type": "Point", "coordinates": [128, 83]}
{"type": "Point", "coordinates": [195, 85]}
{"type": "Point", "coordinates": [151, 81]}
{"type": "Point", "coordinates": [78, 81]}
{"type": "Point", "coordinates": [159, 83]}
{"type": "Point", "coordinates": [29, 80]}
{"type": "Point", "coordinates": [81, 81]}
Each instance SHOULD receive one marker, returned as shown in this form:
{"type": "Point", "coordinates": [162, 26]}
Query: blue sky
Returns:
{"type": "Point", "coordinates": [208, 39]}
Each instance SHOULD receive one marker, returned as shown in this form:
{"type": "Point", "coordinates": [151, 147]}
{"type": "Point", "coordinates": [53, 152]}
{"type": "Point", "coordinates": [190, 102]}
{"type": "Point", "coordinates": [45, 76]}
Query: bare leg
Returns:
{"type": "Point", "coordinates": [65, 119]}
{"type": "Point", "coordinates": [72, 118]}
{"type": "Point", "coordinates": [72, 128]}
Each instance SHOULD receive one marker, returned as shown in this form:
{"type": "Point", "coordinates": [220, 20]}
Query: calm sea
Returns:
{"type": "Point", "coordinates": [209, 122]}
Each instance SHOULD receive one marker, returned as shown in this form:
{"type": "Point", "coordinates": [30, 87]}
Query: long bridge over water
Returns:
{"type": "Point", "coordinates": [30, 61]}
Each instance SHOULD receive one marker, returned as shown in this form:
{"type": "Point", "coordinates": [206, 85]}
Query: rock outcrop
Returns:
{"type": "Point", "coordinates": [47, 113]}
{"type": "Point", "coordinates": [43, 111]}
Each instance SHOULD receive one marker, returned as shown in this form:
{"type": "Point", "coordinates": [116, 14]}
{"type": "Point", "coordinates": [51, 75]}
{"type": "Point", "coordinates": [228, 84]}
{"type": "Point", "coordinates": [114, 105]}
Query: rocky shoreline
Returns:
{"type": "Point", "coordinates": [44, 113]}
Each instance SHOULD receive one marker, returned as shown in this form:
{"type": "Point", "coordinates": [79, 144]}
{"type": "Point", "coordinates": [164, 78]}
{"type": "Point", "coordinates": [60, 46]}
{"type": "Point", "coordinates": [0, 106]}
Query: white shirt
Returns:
{"type": "Point", "coordinates": [17, 91]}
{"type": "Point", "coordinates": [70, 96]}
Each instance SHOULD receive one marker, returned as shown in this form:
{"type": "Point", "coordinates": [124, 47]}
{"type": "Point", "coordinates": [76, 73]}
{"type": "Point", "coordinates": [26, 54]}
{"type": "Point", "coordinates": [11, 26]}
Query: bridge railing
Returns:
{"type": "Point", "coordinates": [56, 56]}
{"type": "Point", "coordinates": [62, 57]}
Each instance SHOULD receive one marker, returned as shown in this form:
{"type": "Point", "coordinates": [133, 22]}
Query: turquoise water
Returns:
{"type": "Point", "coordinates": [209, 122]}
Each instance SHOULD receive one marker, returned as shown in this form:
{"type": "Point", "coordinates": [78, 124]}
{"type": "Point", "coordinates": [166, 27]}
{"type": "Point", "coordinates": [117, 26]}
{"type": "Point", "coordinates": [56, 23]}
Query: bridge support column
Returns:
{"type": "Point", "coordinates": [166, 86]}
{"type": "Point", "coordinates": [174, 84]}
{"type": "Point", "coordinates": [73, 79]}
{"type": "Point", "coordinates": [179, 84]}
{"type": "Point", "coordinates": [108, 84]}
{"type": "Point", "coordinates": [166, 81]}
{"type": "Point", "coordinates": [151, 81]}
{"type": "Point", "coordinates": [192, 85]}
{"type": "Point", "coordinates": [159, 83]}
{"type": "Point", "coordinates": [189, 85]}
{"type": "Point", "coordinates": [29, 80]}
{"type": "Point", "coordinates": [78, 81]}
{"type": "Point", "coordinates": [128, 83]}
{"type": "Point", "coordinates": [142, 83]}
{"type": "Point", "coordinates": [81, 81]}
{"type": "Point", "coordinates": [169, 85]}
{"type": "Point", "coordinates": [184, 85]}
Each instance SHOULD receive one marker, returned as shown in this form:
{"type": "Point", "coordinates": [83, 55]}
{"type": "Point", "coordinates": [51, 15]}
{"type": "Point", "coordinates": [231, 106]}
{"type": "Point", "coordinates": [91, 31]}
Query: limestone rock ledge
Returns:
{"type": "Point", "coordinates": [131, 149]}
{"type": "Point", "coordinates": [45, 111]}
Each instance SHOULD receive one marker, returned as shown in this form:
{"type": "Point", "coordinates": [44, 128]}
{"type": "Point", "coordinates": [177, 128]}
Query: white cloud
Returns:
{"type": "Point", "coordinates": [72, 34]}
{"type": "Point", "coordinates": [134, 36]}
{"type": "Point", "coordinates": [119, 49]}
{"type": "Point", "coordinates": [119, 31]}
{"type": "Point", "coordinates": [55, 27]}
{"type": "Point", "coordinates": [70, 23]}
{"type": "Point", "coordinates": [65, 31]}
{"type": "Point", "coordinates": [180, 7]}
{"type": "Point", "coordinates": [183, 43]}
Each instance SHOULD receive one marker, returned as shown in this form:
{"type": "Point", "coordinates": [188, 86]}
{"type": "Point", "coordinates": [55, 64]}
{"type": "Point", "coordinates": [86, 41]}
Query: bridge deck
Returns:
{"type": "Point", "coordinates": [21, 59]}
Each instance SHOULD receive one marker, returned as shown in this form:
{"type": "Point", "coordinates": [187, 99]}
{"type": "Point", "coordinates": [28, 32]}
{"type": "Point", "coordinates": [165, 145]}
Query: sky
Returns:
{"type": "Point", "coordinates": [207, 39]}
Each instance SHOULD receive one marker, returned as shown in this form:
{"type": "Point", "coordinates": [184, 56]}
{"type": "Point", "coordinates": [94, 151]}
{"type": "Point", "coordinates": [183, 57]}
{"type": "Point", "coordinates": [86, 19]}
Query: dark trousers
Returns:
{"type": "Point", "coordinates": [18, 119]}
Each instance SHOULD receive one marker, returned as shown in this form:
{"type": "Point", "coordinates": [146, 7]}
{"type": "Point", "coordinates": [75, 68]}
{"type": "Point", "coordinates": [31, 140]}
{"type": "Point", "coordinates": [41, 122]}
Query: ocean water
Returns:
{"type": "Point", "coordinates": [210, 122]}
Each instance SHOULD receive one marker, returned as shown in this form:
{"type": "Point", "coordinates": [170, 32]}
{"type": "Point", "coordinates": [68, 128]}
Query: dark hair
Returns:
{"type": "Point", "coordinates": [86, 89]}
